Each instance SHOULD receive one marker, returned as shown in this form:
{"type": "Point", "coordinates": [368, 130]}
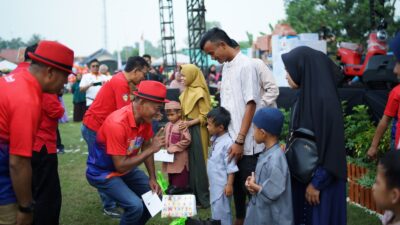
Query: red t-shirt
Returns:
{"type": "Point", "coordinates": [24, 66]}
{"type": "Point", "coordinates": [392, 109]}
{"type": "Point", "coordinates": [52, 110]}
{"type": "Point", "coordinates": [119, 135]}
{"type": "Point", "coordinates": [112, 96]}
{"type": "Point", "coordinates": [20, 105]}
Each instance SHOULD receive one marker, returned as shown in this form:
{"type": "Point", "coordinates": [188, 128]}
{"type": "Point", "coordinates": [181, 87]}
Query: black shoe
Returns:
{"type": "Point", "coordinates": [114, 213]}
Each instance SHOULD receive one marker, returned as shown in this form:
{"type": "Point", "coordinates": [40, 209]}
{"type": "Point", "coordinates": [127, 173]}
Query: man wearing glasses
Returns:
{"type": "Point", "coordinates": [92, 82]}
{"type": "Point", "coordinates": [114, 95]}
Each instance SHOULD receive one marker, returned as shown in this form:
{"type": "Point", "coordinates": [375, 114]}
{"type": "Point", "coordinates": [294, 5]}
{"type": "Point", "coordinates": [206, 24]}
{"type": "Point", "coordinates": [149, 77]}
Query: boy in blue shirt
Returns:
{"type": "Point", "coordinates": [271, 201]}
{"type": "Point", "coordinates": [220, 170]}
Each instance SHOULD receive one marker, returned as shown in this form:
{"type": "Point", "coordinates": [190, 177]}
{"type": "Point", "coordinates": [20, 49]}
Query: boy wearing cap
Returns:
{"type": "Point", "coordinates": [271, 201]}
{"type": "Point", "coordinates": [221, 171]}
{"type": "Point", "coordinates": [114, 95]}
{"type": "Point", "coordinates": [177, 142]}
{"type": "Point", "coordinates": [123, 143]}
{"type": "Point", "coordinates": [392, 106]}
{"type": "Point", "coordinates": [20, 108]}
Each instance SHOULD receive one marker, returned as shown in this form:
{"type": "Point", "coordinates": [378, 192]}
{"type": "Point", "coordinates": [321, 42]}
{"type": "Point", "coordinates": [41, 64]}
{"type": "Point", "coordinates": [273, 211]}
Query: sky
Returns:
{"type": "Point", "coordinates": [79, 24]}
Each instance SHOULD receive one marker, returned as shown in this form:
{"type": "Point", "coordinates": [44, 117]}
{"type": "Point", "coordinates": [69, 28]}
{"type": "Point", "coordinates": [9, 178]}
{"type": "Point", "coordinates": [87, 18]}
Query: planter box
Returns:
{"type": "Point", "coordinates": [362, 196]}
{"type": "Point", "coordinates": [355, 172]}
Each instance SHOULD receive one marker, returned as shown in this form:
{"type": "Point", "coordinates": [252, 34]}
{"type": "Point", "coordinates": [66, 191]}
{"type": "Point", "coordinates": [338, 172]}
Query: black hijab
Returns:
{"type": "Point", "coordinates": [318, 105]}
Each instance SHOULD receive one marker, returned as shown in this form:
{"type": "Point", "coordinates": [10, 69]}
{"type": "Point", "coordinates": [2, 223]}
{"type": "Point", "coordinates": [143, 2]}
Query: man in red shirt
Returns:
{"type": "Point", "coordinates": [123, 143]}
{"type": "Point", "coordinates": [392, 106]}
{"type": "Point", "coordinates": [46, 189]}
{"type": "Point", "coordinates": [20, 105]}
{"type": "Point", "coordinates": [114, 95]}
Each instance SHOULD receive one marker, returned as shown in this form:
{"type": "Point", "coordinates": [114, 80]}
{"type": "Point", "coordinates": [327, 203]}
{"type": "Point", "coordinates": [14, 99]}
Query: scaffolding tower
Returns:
{"type": "Point", "coordinates": [196, 28]}
{"type": "Point", "coordinates": [167, 34]}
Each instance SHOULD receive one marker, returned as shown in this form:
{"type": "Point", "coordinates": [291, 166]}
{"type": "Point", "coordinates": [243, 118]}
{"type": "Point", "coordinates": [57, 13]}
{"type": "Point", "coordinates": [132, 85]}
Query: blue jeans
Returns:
{"type": "Point", "coordinates": [127, 190]}
{"type": "Point", "coordinates": [90, 138]}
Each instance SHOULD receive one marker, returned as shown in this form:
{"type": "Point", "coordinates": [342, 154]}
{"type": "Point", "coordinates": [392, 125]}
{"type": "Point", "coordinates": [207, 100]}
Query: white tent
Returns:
{"type": "Point", "coordinates": [6, 65]}
{"type": "Point", "coordinates": [180, 59]}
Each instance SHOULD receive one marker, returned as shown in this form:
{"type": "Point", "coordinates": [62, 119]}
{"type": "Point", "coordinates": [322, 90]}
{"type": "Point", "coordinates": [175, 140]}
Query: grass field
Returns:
{"type": "Point", "coordinates": [81, 204]}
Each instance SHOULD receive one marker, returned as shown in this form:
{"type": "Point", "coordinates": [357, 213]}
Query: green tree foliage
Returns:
{"type": "Point", "coordinates": [349, 20]}
{"type": "Point", "coordinates": [16, 43]}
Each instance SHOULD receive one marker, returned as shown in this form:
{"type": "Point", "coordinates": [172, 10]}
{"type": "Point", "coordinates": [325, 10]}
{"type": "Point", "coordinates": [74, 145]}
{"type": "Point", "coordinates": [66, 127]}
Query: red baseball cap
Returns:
{"type": "Point", "coordinates": [152, 90]}
{"type": "Point", "coordinates": [54, 54]}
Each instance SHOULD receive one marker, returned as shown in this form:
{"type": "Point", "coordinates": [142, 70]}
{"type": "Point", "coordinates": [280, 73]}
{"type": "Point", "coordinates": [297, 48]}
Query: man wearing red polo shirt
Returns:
{"type": "Point", "coordinates": [122, 144]}
{"type": "Point", "coordinates": [20, 105]}
{"type": "Point", "coordinates": [114, 95]}
{"type": "Point", "coordinates": [46, 189]}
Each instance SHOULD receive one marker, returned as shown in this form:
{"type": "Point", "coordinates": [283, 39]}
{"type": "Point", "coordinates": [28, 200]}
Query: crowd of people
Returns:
{"type": "Point", "coordinates": [230, 151]}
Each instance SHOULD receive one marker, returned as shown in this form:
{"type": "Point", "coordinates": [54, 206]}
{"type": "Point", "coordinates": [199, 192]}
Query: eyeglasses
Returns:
{"type": "Point", "coordinates": [95, 65]}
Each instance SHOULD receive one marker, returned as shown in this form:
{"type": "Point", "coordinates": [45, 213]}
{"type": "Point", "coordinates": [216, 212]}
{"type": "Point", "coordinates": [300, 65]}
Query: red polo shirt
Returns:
{"type": "Point", "coordinates": [24, 66]}
{"type": "Point", "coordinates": [20, 105]}
{"type": "Point", "coordinates": [52, 110]}
{"type": "Point", "coordinates": [113, 95]}
{"type": "Point", "coordinates": [392, 110]}
{"type": "Point", "coordinates": [119, 135]}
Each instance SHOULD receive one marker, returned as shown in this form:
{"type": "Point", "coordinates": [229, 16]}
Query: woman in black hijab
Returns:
{"type": "Point", "coordinates": [323, 200]}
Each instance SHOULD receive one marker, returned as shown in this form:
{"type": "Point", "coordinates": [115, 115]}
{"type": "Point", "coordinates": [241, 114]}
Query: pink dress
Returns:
{"type": "Point", "coordinates": [177, 142]}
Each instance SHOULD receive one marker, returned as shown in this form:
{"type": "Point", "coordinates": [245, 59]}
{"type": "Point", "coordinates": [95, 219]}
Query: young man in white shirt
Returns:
{"type": "Point", "coordinates": [92, 82]}
{"type": "Point", "coordinates": [240, 95]}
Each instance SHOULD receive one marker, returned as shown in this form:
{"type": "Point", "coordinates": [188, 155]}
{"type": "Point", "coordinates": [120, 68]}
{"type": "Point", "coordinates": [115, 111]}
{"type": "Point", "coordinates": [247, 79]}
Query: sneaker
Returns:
{"type": "Point", "coordinates": [60, 151]}
{"type": "Point", "coordinates": [114, 213]}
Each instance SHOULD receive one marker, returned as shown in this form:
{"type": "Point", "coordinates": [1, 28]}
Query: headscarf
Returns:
{"type": "Point", "coordinates": [196, 88]}
{"type": "Point", "coordinates": [318, 105]}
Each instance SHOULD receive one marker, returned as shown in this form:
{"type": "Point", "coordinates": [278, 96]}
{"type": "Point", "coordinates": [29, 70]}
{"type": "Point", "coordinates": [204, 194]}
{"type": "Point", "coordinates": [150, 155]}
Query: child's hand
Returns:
{"type": "Point", "coordinates": [251, 185]}
{"type": "Point", "coordinates": [228, 191]}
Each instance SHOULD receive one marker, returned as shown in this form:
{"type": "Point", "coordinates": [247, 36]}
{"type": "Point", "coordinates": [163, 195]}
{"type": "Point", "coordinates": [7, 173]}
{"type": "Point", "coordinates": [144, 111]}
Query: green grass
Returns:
{"type": "Point", "coordinates": [81, 203]}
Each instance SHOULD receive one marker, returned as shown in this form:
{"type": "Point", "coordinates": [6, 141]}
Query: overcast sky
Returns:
{"type": "Point", "coordinates": [79, 23]}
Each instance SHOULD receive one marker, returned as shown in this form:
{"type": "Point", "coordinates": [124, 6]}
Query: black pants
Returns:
{"type": "Point", "coordinates": [46, 188]}
{"type": "Point", "coordinates": [79, 111]}
{"type": "Point", "coordinates": [246, 165]}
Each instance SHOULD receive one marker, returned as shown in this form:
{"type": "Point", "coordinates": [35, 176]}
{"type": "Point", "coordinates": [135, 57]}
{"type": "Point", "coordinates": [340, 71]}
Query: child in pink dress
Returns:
{"type": "Point", "coordinates": [177, 142]}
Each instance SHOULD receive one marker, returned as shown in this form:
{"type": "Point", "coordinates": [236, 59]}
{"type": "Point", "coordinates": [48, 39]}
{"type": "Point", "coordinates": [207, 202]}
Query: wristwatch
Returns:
{"type": "Point", "coordinates": [27, 209]}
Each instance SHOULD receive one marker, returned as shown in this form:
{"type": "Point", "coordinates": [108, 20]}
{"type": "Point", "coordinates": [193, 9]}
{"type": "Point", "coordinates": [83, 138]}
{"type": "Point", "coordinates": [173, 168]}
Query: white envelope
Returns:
{"type": "Point", "coordinates": [164, 156]}
{"type": "Point", "coordinates": [152, 202]}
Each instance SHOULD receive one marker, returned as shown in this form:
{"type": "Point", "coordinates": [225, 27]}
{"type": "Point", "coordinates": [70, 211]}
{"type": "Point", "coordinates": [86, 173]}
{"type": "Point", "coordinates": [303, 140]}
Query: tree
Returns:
{"type": "Point", "coordinates": [127, 52]}
{"type": "Point", "coordinates": [349, 20]}
{"type": "Point", "coordinates": [34, 39]}
{"type": "Point", "coordinates": [212, 24]}
{"type": "Point", "coordinates": [152, 50]}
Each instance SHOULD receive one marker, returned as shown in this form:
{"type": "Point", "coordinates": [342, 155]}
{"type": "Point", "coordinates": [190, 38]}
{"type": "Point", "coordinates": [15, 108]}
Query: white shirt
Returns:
{"type": "Point", "coordinates": [91, 92]}
{"type": "Point", "coordinates": [269, 91]}
{"type": "Point", "coordinates": [240, 85]}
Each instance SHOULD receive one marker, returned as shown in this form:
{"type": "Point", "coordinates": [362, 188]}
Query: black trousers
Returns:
{"type": "Point", "coordinates": [79, 111]}
{"type": "Point", "coordinates": [46, 188]}
{"type": "Point", "coordinates": [246, 165]}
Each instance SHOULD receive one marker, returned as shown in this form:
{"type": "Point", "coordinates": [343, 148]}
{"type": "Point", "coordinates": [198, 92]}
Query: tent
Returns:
{"type": "Point", "coordinates": [6, 65]}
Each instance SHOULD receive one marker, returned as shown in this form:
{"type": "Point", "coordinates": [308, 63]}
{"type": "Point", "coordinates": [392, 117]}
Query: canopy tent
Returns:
{"type": "Point", "coordinates": [6, 65]}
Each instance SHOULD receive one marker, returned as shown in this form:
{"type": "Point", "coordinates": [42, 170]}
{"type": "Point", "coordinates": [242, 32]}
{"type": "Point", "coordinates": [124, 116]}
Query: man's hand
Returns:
{"type": "Point", "coordinates": [155, 188]}
{"type": "Point", "coordinates": [372, 151]}
{"type": "Point", "coordinates": [312, 195]}
{"type": "Point", "coordinates": [158, 141]}
{"type": "Point", "coordinates": [228, 191]}
{"type": "Point", "coordinates": [236, 151]}
{"type": "Point", "coordinates": [24, 218]}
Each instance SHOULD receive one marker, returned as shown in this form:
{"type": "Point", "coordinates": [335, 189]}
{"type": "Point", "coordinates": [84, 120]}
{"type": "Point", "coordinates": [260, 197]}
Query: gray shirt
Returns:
{"type": "Point", "coordinates": [218, 166]}
{"type": "Point", "coordinates": [272, 205]}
